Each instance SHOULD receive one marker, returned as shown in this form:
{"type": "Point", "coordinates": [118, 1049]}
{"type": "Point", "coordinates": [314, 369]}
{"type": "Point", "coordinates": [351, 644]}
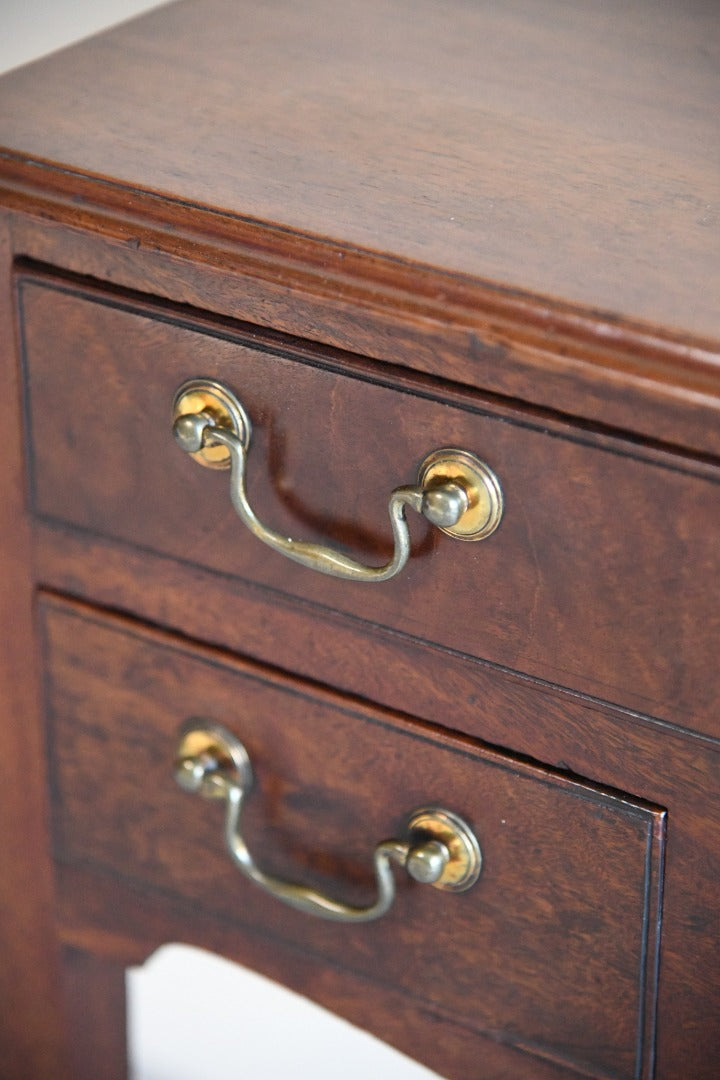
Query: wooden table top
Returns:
{"type": "Point", "coordinates": [570, 151]}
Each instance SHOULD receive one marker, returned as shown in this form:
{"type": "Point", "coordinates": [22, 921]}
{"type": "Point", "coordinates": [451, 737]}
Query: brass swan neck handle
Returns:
{"type": "Point", "coordinates": [440, 849]}
{"type": "Point", "coordinates": [456, 491]}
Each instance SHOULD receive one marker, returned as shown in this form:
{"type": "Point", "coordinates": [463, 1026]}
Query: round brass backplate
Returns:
{"type": "Point", "coordinates": [465, 864]}
{"type": "Point", "coordinates": [481, 485]}
{"type": "Point", "coordinates": [202, 738]}
{"type": "Point", "coordinates": [205, 395]}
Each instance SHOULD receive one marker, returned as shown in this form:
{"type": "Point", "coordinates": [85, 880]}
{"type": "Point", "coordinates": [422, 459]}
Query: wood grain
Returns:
{"type": "Point", "coordinates": [552, 357]}
{"type": "Point", "coordinates": [118, 921]}
{"type": "Point", "coordinates": [32, 1036]}
{"type": "Point", "coordinates": [616, 746]}
{"type": "Point", "coordinates": [94, 998]}
{"type": "Point", "coordinates": [571, 153]}
{"type": "Point", "coordinates": [570, 871]}
{"type": "Point", "coordinates": [600, 540]}
{"type": "Point", "coordinates": [506, 218]}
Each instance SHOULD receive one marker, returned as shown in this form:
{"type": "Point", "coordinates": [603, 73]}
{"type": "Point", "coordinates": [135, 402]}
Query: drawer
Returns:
{"type": "Point", "coordinates": [601, 577]}
{"type": "Point", "coordinates": [553, 950]}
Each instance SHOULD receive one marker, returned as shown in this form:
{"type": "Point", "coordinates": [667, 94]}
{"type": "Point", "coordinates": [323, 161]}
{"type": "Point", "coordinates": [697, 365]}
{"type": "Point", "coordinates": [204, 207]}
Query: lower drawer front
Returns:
{"type": "Point", "coordinates": [552, 950]}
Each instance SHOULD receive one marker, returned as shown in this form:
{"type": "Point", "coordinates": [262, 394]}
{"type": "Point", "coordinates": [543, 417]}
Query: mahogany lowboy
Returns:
{"type": "Point", "coordinates": [387, 229]}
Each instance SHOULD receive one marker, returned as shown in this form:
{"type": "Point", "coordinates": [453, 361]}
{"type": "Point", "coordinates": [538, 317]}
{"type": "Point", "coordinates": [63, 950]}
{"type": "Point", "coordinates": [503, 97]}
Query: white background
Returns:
{"type": "Point", "coordinates": [193, 1016]}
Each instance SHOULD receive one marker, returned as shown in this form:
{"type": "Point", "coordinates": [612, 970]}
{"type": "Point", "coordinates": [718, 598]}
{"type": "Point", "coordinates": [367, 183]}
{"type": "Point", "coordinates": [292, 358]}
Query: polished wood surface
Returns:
{"type": "Point", "coordinates": [551, 356]}
{"type": "Point", "coordinates": [570, 871]}
{"type": "Point", "coordinates": [268, 192]}
{"type": "Point", "coordinates": [95, 1009]}
{"type": "Point", "coordinates": [572, 152]}
{"type": "Point", "coordinates": [32, 1030]}
{"type": "Point", "coordinates": [601, 539]}
{"type": "Point", "coordinates": [617, 747]}
{"type": "Point", "coordinates": [116, 920]}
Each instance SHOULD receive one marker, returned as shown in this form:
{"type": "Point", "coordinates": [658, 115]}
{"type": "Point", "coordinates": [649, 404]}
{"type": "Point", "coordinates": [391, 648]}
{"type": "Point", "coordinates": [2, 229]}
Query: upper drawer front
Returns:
{"type": "Point", "coordinates": [603, 575]}
{"type": "Point", "coordinates": [552, 950]}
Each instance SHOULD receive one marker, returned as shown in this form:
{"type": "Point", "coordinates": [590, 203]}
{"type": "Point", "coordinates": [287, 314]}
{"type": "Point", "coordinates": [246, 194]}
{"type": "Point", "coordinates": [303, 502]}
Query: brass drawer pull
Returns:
{"type": "Point", "coordinates": [455, 491]}
{"type": "Point", "coordinates": [440, 849]}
